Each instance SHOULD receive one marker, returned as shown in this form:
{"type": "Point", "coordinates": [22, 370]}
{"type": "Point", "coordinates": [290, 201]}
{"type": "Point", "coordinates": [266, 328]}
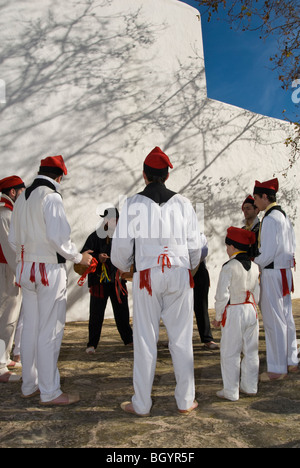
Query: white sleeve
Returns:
{"type": "Point", "coordinates": [8, 248]}
{"type": "Point", "coordinates": [196, 241]}
{"type": "Point", "coordinates": [222, 295]}
{"type": "Point", "coordinates": [122, 250]}
{"type": "Point", "coordinates": [268, 245]}
{"type": "Point", "coordinates": [58, 229]}
{"type": "Point", "coordinates": [204, 251]}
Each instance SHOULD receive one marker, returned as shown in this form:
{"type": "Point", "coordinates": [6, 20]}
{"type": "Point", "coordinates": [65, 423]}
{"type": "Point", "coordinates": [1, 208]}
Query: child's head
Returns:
{"type": "Point", "coordinates": [239, 240]}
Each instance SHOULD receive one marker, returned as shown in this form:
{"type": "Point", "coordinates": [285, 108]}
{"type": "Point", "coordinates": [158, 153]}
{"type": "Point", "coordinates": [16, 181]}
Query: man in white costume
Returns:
{"type": "Point", "coordinates": [236, 297]}
{"type": "Point", "coordinates": [158, 232]}
{"type": "Point", "coordinates": [10, 297]}
{"type": "Point", "coordinates": [40, 233]}
{"type": "Point", "coordinates": [276, 260]}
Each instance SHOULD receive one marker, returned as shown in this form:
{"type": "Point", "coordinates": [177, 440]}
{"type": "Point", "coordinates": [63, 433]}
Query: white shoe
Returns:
{"type": "Point", "coordinates": [90, 350]}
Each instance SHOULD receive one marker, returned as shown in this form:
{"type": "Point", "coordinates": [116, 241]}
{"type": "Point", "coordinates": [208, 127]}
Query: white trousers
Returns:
{"type": "Point", "coordinates": [10, 302]}
{"type": "Point", "coordinates": [279, 325]}
{"type": "Point", "coordinates": [171, 301]}
{"type": "Point", "coordinates": [44, 315]}
{"type": "Point", "coordinates": [240, 335]}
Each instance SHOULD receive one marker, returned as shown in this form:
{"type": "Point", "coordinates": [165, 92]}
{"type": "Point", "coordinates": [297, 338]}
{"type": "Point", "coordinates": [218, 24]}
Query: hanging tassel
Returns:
{"type": "Point", "coordinates": [32, 273]}
{"type": "Point", "coordinates": [224, 317]}
{"type": "Point", "coordinates": [43, 273]}
{"type": "Point", "coordinates": [192, 283]}
{"type": "Point", "coordinates": [145, 280]}
{"type": "Point", "coordinates": [119, 287]}
{"type": "Point", "coordinates": [104, 275]}
{"type": "Point", "coordinates": [285, 286]}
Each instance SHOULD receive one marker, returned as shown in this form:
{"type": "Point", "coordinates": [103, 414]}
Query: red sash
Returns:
{"type": "Point", "coordinates": [247, 301]}
{"type": "Point", "coordinates": [285, 287]}
{"type": "Point", "coordinates": [145, 275]}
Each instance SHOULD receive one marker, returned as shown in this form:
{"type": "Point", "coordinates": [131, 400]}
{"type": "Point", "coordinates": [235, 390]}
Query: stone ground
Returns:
{"type": "Point", "coordinates": [271, 419]}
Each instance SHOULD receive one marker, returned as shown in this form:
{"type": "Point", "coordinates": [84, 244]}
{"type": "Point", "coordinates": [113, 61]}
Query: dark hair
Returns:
{"type": "Point", "coordinates": [156, 179]}
{"type": "Point", "coordinates": [52, 175]}
{"type": "Point", "coordinates": [6, 191]}
{"type": "Point", "coordinates": [271, 197]}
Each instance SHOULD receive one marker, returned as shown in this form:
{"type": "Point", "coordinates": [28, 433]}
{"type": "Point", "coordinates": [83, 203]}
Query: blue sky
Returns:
{"type": "Point", "coordinates": [238, 70]}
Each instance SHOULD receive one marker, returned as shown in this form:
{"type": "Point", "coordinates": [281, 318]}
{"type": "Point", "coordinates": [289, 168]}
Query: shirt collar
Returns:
{"type": "Point", "coordinates": [56, 184]}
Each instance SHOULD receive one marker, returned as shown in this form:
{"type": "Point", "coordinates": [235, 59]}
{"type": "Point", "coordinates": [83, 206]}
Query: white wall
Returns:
{"type": "Point", "coordinates": [104, 81]}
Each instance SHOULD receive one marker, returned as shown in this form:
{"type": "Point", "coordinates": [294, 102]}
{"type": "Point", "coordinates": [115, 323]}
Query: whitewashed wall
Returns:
{"type": "Point", "coordinates": [104, 81]}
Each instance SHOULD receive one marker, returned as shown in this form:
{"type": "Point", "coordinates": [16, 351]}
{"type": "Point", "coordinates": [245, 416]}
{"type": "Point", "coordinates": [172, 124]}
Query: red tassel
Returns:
{"type": "Point", "coordinates": [224, 317]}
{"type": "Point", "coordinates": [43, 273]}
{"type": "Point", "coordinates": [32, 273]}
{"type": "Point", "coordinates": [285, 286]}
{"type": "Point", "coordinates": [145, 280]}
{"type": "Point", "coordinates": [119, 287]}
{"type": "Point", "coordinates": [192, 283]}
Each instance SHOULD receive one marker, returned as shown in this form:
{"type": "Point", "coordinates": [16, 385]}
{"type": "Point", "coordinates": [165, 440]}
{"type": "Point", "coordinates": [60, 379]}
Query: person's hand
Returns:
{"type": "Point", "coordinates": [216, 323]}
{"type": "Point", "coordinates": [86, 258]}
{"type": "Point", "coordinates": [103, 257]}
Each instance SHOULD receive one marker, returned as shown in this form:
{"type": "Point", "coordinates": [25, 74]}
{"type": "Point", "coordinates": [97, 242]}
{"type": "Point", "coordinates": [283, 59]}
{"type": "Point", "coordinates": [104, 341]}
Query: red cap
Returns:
{"type": "Point", "coordinates": [249, 200]}
{"type": "Point", "coordinates": [11, 182]}
{"type": "Point", "coordinates": [240, 237]}
{"type": "Point", "coordinates": [157, 162]}
{"type": "Point", "coordinates": [54, 164]}
{"type": "Point", "coordinates": [269, 187]}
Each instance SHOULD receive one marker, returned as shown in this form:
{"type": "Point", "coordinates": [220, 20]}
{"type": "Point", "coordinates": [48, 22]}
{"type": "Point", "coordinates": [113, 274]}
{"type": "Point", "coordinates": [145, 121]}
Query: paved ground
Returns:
{"type": "Point", "coordinates": [271, 419]}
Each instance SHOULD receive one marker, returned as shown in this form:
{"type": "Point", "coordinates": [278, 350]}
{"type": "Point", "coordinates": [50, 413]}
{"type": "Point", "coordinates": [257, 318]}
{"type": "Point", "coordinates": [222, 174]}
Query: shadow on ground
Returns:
{"type": "Point", "coordinates": [104, 381]}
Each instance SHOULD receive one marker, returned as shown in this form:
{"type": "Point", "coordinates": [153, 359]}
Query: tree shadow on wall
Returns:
{"type": "Point", "coordinates": [76, 83]}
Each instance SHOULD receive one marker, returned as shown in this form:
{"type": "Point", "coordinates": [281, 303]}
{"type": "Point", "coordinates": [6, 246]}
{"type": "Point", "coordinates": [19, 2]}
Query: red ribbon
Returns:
{"type": "Point", "coordinates": [165, 261]}
{"type": "Point", "coordinates": [119, 287]}
{"type": "Point", "coordinates": [90, 269]}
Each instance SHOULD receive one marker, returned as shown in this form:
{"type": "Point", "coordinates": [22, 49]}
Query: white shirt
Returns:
{"type": "Point", "coordinates": [277, 242]}
{"type": "Point", "coordinates": [5, 221]}
{"type": "Point", "coordinates": [234, 282]}
{"type": "Point", "coordinates": [146, 231]}
{"type": "Point", "coordinates": [56, 227]}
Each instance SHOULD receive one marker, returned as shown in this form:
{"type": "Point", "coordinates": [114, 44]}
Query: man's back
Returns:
{"type": "Point", "coordinates": [148, 230]}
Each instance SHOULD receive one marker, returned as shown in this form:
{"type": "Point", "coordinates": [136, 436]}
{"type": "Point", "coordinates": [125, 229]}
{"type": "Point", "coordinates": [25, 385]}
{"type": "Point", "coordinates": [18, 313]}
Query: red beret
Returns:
{"type": "Point", "coordinates": [249, 199]}
{"type": "Point", "coordinates": [269, 187]}
{"type": "Point", "coordinates": [240, 237]}
{"type": "Point", "coordinates": [157, 162]}
{"type": "Point", "coordinates": [54, 163]}
{"type": "Point", "coordinates": [11, 182]}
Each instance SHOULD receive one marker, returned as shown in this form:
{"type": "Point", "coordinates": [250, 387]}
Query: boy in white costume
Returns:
{"type": "Point", "coordinates": [275, 260]}
{"type": "Point", "coordinates": [236, 298]}
{"type": "Point", "coordinates": [10, 297]}
{"type": "Point", "coordinates": [158, 232]}
{"type": "Point", "coordinates": [40, 233]}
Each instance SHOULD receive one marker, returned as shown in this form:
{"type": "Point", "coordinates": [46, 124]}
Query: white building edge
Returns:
{"type": "Point", "coordinates": [104, 81]}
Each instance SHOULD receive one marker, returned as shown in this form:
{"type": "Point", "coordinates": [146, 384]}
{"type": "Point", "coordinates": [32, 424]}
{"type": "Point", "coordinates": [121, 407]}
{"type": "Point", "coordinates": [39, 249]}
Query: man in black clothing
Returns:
{"type": "Point", "coordinates": [105, 283]}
